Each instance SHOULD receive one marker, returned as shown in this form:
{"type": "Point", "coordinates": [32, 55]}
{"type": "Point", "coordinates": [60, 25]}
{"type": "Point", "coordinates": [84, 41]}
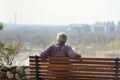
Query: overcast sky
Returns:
{"type": "Point", "coordinates": [62, 12]}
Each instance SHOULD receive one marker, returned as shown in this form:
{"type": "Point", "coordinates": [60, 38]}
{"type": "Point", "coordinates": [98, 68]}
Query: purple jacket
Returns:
{"type": "Point", "coordinates": [59, 49]}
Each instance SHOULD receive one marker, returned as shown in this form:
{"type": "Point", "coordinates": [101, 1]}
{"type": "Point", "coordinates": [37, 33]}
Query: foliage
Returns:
{"type": "Point", "coordinates": [8, 53]}
{"type": "Point", "coordinates": [113, 45]}
{"type": "Point", "coordinates": [22, 75]}
{"type": "Point", "coordinates": [1, 26]}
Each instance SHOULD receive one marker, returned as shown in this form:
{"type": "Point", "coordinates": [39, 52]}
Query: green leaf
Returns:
{"type": "Point", "coordinates": [2, 44]}
{"type": "Point", "coordinates": [1, 26]}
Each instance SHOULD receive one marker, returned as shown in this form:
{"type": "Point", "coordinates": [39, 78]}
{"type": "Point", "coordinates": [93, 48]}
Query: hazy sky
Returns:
{"type": "Point", "coordinates": [59, 11]}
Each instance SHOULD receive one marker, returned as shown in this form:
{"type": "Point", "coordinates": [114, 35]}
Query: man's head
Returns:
{"type": "Point", "coordinates": [62, 37]}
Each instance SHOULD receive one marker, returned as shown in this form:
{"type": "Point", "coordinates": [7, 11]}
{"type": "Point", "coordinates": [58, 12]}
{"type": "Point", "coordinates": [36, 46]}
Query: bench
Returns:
{"type": "Point", "coordinates": [64, 68]}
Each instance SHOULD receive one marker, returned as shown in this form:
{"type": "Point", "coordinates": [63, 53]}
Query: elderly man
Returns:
{"type": "Point", "coordinates": [59, 49]}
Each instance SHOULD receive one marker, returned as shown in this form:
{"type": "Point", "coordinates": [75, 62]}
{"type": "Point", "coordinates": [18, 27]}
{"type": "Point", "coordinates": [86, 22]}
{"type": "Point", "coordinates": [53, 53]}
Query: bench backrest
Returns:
{"type": "Point", "coordinates": [64, 68]}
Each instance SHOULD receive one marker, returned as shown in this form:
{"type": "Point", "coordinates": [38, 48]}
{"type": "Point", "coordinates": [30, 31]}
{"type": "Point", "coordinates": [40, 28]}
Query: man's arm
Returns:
{"type": "Point", "coordinates": [72, 54]}
{"type": "Point", "coordinates": [45, 53]}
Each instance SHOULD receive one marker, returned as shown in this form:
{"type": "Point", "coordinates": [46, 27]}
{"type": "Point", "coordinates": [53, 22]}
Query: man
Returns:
{"type": "Point", "coordinates": [59, 49]}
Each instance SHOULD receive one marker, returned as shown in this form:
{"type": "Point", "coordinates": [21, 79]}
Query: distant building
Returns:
{"type": "Point", "coordinates": [108, 27]}
{"type": "Point", "coordinates": [118, 27]}
{"type": "Point", "coordinates": [99, 27]}
{"type": "Point", "coordinates": [111, 28]}
{"type": "Point", "coordinates": [79, 27]}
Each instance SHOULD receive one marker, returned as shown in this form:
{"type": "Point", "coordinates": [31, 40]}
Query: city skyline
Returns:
{"type": "Point", "coordinates": [59, 12]}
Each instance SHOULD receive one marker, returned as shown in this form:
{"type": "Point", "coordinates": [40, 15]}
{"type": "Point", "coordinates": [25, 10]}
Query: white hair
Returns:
{"type": "Point", "coordinates": [61, 37]}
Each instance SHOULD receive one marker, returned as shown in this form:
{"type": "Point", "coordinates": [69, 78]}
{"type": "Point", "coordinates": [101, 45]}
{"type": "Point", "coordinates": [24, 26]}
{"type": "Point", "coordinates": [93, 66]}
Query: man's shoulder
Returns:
{"type": "Point", "coordinates": [68, 46]}
{"type": "Point", "coordinates": [51, 45]}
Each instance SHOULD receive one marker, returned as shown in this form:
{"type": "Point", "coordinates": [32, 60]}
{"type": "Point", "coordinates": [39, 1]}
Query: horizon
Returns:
{"type": "Point", "coordinates": [59, 12]}
{"type": "Point", "coordinates": [116, 23]}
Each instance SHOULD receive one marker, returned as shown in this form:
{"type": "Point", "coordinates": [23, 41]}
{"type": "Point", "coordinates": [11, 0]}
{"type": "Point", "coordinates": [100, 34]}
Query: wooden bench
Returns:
{"type": "Point", "coordinates": [64, 68]}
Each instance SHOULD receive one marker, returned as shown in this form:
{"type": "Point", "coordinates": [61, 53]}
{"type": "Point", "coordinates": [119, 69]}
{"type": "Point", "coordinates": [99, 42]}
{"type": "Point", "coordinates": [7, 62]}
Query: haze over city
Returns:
{"type": "Point", "coordinates": [59, 12]}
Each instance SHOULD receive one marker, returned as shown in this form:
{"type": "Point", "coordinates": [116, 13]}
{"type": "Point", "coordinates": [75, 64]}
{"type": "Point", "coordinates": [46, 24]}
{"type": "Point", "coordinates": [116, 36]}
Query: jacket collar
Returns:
{"type": "Point", "coordinates": [60, 43]}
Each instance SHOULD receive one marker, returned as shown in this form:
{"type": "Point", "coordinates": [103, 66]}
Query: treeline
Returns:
{"type": "Point", "coordinates": [46, 37]}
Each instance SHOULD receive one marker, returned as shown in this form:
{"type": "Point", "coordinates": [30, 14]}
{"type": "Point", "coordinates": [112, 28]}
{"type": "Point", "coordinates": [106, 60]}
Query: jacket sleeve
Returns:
{"type": "Point", "coordinates": [45, 53]}
{"type": "Point", "coordinates": [72, 54]}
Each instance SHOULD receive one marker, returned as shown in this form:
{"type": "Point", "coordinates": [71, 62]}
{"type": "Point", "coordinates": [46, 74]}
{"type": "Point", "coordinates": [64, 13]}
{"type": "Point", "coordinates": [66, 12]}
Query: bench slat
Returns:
{"type": "Point", "coordinates": [77, 62]}
{"type": "Point", "coordinates": [66, 58]}
{"type": "Point", "coordinates": [77, 78]}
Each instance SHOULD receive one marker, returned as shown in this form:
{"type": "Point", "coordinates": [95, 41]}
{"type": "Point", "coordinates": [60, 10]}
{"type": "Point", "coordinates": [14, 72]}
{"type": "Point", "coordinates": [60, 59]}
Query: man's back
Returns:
{"type": "Point", "coordinates": [59, 49]}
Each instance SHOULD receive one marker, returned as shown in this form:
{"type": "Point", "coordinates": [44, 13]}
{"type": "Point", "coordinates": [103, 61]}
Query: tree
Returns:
{"type": "Point", "coordinates": [1, 26]}
{"type": "Point", "coordinates": [8, 53]}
